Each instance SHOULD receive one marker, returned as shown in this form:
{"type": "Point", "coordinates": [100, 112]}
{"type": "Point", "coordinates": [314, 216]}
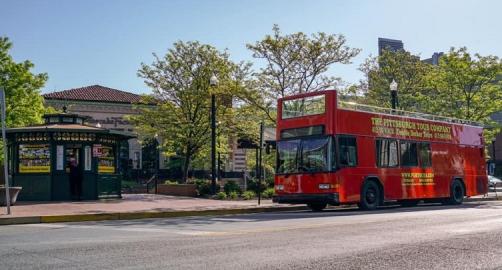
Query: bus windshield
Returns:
{"type": "Point", "coordinates": [303, 155]}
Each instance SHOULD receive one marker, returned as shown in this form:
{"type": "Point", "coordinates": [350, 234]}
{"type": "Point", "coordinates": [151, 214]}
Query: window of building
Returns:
{"type": "Point", "coordinates": [409, 155]}
{"type": "Point", "coordinates": [386, 150]}
{"type": "Point", "coordinates": [425, 154]}
{"type": "Point", "coordinates": [348, 151]}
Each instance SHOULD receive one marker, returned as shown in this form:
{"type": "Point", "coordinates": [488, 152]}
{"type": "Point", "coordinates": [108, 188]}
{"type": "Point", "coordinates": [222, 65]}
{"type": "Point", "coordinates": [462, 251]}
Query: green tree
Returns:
{"type": "Point", "coordinates": [181, 91]}
{"type": "Point", "coordinates": [295, 63]}
{"type": "Point", "coordinates": [24, 104]}
{"type": "Point", "coordinates": [466, 87]}
{"type": "Point", "coordinates": [406, 69]}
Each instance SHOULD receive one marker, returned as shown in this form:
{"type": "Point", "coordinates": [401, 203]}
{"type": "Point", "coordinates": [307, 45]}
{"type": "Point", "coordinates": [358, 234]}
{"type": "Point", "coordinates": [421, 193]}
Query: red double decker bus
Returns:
{"type": "Point", "coordinates": [333, 152]}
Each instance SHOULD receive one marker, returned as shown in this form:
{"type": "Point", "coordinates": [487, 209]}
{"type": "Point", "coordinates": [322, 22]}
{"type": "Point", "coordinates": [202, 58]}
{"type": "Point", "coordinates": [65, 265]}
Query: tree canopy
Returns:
{"type": "Point", "coordinates": [462, 85]}
{"type": "Point", "coordinates": [295, 63]}
{"type": "Point", "coordinates": [181, 92]}
{"type": "Point", "coordinates": [24, 104]}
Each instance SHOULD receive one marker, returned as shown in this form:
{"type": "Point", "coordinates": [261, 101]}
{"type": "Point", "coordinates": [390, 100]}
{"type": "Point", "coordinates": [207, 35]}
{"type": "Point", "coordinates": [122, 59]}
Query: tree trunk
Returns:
{"type": "Point", "coordinates": [186, 165]}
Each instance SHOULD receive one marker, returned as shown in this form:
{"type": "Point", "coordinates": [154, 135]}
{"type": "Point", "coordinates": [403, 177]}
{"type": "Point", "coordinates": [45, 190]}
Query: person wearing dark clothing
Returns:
{"type": "Point", "coordinates": [75, 180]}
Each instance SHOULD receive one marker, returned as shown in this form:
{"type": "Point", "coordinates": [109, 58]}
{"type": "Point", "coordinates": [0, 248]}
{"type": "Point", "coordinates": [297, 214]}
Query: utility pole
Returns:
{"type": "Point", "coordinates": [5, 157]}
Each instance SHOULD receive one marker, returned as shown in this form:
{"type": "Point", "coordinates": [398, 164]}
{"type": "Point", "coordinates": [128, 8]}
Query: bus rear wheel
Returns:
{"type": "Point", "coordinates": [370, 196]}
{"type": "Point", "coordinates": [457, 193]}
{"type": "Point", "coordinates": [317, 207]}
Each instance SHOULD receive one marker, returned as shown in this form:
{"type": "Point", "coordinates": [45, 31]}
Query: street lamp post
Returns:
{"type": "Point", "coordinates": [157, 160]}
{"type": "Point", "coordinates": [393, 94]}
{"type": "Point", "coordinates": [213, 82]}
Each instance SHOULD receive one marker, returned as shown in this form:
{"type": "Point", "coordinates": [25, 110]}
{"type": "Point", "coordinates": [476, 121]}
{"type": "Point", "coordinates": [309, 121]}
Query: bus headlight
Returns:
{"type": "Point", "coordinates": [324, 186]}
{"type": "Point", "coordinates": [279, 187]}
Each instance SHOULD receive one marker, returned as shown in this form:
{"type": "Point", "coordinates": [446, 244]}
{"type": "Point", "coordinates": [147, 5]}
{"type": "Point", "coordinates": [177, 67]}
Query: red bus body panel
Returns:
{"type": "Point", "coordinates": [457, 152]}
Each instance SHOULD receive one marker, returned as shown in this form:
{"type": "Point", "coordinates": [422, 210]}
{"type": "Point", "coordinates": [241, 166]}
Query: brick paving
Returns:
{"type": "Point", "coordinates": [130, 203]}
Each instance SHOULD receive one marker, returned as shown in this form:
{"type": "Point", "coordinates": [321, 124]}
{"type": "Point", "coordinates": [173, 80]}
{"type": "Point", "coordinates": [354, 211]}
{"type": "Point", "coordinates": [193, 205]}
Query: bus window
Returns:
{"type": "Point", "coordinates": [287, 156]}
{"type": "Point", "coordinates": [348, 151]}
{"type": "Point", "coordinates": [425, 155]}
{"type": "Point", "coordinates": [386, 151]}
{"type": "Point", "coordinates": [314, 156]}
{"type": "Point", "coordinates": [303, 106]}
{"type": "Point", "coordinates": [409, 155]}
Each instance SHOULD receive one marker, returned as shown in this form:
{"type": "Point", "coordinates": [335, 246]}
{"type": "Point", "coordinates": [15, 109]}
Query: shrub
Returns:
{"type": "Point", "coordinates": [204, 187]}
{"type": "Point", "coordinates": [248, 195]}
{"type": "Point", "coordinates": [231, 186]}
{"type": "Point", "coordinates": [221, 196]}
{"type": "Point", "coordinates": [253, 185]}
{"type": "Point", "coordinates": [268, 193]}
{"type": "Point", "coordinates": [233, 195]}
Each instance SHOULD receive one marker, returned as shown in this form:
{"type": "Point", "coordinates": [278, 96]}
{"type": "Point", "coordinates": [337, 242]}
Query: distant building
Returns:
{"type": "Point", "coordinates": [495, 148]}
{"type": "Point", "coordinates": [434, 60]}
{"type": "Point", "coordinates": [107, 108]}
{"type": "Point", "coordinates": [393, 45]}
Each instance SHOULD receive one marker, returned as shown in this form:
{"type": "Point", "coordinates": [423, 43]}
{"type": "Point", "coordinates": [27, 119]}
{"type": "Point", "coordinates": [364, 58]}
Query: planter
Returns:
{"type": "Point", "coordinates": [188, 190]}
{"type": "Point", "coordinates": [13, 192]}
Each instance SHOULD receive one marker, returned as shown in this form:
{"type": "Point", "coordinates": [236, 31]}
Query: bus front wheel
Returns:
{"type": "Point", "coordinates": [370, 196]}
{"type": "Point", "coordinates": [317, 207]}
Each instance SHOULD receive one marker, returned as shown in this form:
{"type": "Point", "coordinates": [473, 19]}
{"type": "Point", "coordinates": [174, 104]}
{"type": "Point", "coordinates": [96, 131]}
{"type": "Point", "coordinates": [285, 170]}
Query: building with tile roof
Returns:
{"type": "Point", "coordinates": [108, 108]}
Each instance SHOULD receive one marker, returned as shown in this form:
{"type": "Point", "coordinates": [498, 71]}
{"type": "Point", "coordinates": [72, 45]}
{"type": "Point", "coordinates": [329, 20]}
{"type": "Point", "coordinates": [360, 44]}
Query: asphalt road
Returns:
{"type": "Point", "coordinates": [423, 237]}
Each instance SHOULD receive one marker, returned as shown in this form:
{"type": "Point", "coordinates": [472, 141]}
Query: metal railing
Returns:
{"type": "Point", "coordinates": [374, 109]}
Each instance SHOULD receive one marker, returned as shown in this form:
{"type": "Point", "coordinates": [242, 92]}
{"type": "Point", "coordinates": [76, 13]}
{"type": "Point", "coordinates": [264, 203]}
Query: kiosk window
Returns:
{"type": "Point", "coordinates": [34, 158]}
{"type": "Point", "coordinates": [409, 155]}
{"type": "Point", "coordinates": [348, 151]}
{"type": "Point", "coordinates": [106, 160]}
{"type": "Point", "coordinates": [425, 154]}
{"type": "Point", "coordinates": [386, 153]}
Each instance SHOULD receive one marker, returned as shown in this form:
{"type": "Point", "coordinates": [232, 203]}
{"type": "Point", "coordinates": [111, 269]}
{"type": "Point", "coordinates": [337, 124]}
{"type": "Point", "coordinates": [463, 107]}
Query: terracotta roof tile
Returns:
{"type": "Point", "coordinates": [95, 93]}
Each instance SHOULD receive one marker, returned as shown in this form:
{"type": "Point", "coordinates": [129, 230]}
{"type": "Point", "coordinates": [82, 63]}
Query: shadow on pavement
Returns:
{"type": "Point", "coordinates": [274, 216]}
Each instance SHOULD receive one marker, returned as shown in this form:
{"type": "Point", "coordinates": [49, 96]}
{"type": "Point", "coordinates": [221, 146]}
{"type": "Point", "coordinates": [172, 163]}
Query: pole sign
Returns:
{"type": "Point", "coordinates": [4, 139]}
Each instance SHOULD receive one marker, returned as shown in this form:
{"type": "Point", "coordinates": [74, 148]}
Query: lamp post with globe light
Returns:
{"type": "Point", "coordinates": [393, 94]}
{"type": "Point", "coordinates": [213, 82]}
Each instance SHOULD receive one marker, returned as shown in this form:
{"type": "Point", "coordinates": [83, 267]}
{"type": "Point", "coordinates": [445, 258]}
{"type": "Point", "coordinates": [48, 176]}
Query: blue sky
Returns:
{"type": "Point", "coordinates": [81, 43]}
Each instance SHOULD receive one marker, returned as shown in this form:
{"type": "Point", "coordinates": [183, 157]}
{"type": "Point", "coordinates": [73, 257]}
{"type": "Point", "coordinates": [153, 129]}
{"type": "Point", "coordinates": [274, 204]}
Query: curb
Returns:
{"type": "Point", "coordinates": [143, 215]}
{"type": "Point", "coordinates": [483, 199]}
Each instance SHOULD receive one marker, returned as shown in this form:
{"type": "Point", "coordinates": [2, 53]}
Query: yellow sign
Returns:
{"type": "Point", "coordinates": [106, 169]}
{"type": "Point", "coordinates": [34, 169]}
{"type": "Point", "coordinates": [417, 179]}
{"type": "Point", "coordinates": [407, 128]}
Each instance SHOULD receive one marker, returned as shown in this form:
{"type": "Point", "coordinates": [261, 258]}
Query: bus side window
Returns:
{"type": "Point", "coordinates": [425, 155]}
{"type": "Point", "coordinates": [386, 150]}
{"type": "Point", "coordinates": [409, 153]}
{"type": "Point", "coordinates": [347, 151]}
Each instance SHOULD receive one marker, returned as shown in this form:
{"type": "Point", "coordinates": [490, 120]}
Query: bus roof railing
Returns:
{"type": "Point", "coordinates": [368, 108]}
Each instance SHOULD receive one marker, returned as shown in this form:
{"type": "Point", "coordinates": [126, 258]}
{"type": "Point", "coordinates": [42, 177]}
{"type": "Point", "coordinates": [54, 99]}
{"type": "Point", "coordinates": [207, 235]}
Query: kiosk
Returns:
{"type": "Point", "coordinates": [65, 159]}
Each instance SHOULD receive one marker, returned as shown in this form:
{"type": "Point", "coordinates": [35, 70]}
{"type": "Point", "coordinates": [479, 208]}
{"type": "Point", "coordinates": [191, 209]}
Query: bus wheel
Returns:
{"type": "Point", "coordinates": [317, 207]}
{"type": "Point", "coordinates": [456, 193]}
{"type": "Point", "coordinates": [370, 196]}
{"type": "Point", "coordinates": [408, 203]}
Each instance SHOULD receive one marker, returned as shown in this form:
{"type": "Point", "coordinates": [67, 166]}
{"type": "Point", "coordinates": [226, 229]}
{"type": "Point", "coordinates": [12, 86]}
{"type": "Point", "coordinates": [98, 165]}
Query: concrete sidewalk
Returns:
{"type": "Point", "coordinates": [132, 206]}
